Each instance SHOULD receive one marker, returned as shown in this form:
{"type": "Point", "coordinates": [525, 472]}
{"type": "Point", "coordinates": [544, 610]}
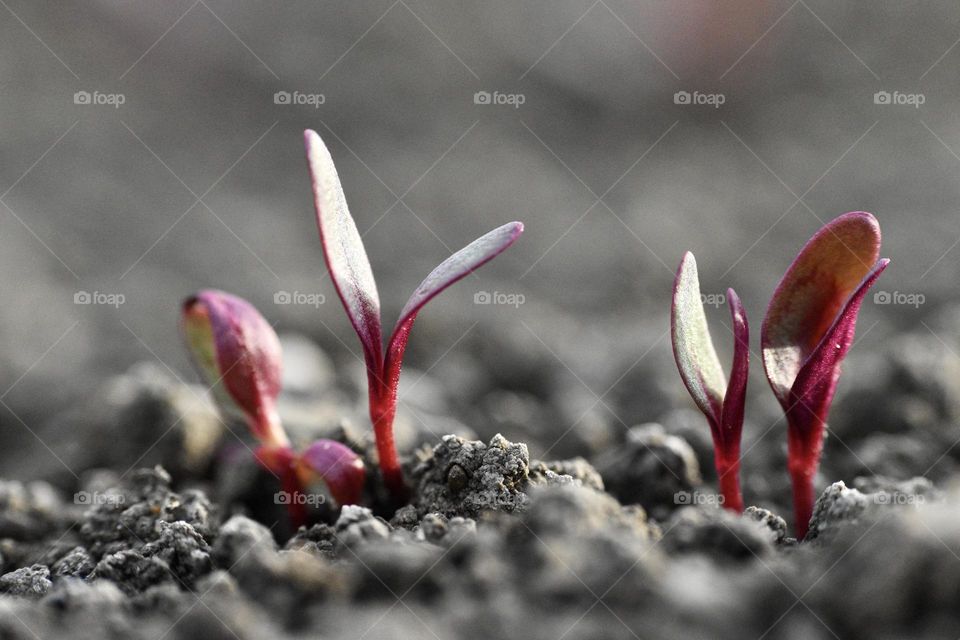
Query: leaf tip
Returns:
{"type": "Point", "coordinates": [685, 271]}
{"type": "Point", "coordinates": [735, 304]}
{"type": "Point", "coordinates": [862, 216]}
{"type": "Point", "coordinates": [310, 137]}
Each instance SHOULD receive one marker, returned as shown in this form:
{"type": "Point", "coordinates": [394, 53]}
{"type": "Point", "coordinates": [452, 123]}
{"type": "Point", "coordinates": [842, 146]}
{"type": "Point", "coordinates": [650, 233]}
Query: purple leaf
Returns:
{"type": "Point", "coordinates": [454, 268]}
{"type": "Point", "coordinates": [812, 293]}
{"type": "Point", "coordinates": [808, 329]}
{"type": "Point", "coordinates": [343, 251]}
{"type": "Point", "coordinates": [702, 374]}
{"type": "Point", "coordinates": [238, 353]}
{"type": "Point", "coordinates": [339, 467]}
{"type": "Point", "coordinates": [735, 398]}
{"type": "Point", "coordinates": [813, 390]}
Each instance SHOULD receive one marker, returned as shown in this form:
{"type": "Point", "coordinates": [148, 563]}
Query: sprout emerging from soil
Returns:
{"type": "Point", "coordinates": [808, 329]}
{"type": "Point", "coordinates": [238, 354]}
{"type": "Point", "coordinates": [353, 279]}
{"type": "Point", "coordinates": [702, 374]}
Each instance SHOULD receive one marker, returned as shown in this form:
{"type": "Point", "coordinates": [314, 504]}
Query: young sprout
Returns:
{"type": "Point", "coordinates": [353, 280]}
{"type": "Point", "coordinates": [703, 376]}
{"type": "Point", "coordinates": [238, 354]}
{"type": "Point", "coordinates": [808, 329]}
{"type": "Point", "coordinates": [337, 465]}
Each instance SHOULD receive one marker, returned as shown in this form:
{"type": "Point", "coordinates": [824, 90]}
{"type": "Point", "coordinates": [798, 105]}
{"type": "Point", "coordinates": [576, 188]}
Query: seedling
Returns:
{"type": "Point", "coordinates": [808, 329]}
{"type": "Point", "coordinates": [353, 280]}
{"type": "Point", "coordinates": [702, 374]}
{"type": "Point", "coordinates": [238, 353]}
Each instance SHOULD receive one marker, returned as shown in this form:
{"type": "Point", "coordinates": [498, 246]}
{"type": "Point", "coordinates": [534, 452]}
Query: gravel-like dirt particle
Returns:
{"type": "Point", "coordinates": [580, 510]}
{"type": "Point", "coordinates": [836, 505]}
{"type": "Point", "coordinates": [132, 571]}
{"type": "Point", "coordinates": [358, 524]}
{"type": "Point", "coordinates": [650, 469]}
{"type": "Point", "coordinates": [182, 549]}
{"type": "Point", "coordinates": [70, 594]}
{"type": "Point", "coordinates": [439, 529]}
{"type": "Point", "coordinates": [140, 514]}
{"type": "Point", "coordinates": [32, 582]}
{"type": "Point", "coordinates": [464, 478]}
{"type": "Point", "coordinates": [238, 537]}
{"type": "Point", "coordinates": [77, 563]}
{"type": "Point", "coordinates": [719, 533]}
{"type": "Point", "coordinates": [913, 491]}
{"type": "Point", "coordinates": [840, 506]}
{"type": "Point", "coordinates": [577, 468]}
{"type": "Point", "coordinates": [769, 519]}
{"type": "Point", "coordinates": [30, 511]}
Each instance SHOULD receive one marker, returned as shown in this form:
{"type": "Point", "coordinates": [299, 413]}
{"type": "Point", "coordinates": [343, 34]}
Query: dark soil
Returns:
{"type": "Point", "coordinates": [627, 541]}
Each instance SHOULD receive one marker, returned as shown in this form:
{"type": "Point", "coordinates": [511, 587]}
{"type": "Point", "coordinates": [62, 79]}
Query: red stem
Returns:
{"type": "Point", "coordinates": [383, 409]}
{"type": "Point", "coordinates": [729, 481]}
{"type": "Point", "coordinates": [280, 462]}
{"type": "Point", "coordinates": [290, 483]}
{"type": "Point", "coordinates": [803, 492]}
{"type": "Point", "coordinates": [804, 446]}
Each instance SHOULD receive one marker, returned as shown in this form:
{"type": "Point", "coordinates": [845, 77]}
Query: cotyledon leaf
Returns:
{"type": "Point", "coordinates": [692, 347]}
{"type": "Point", "coordinates": [456, 267]}
{"type": "Point", "coordinates": [813, 292]}
{"type": "Point", "coordinates": [343, 250]}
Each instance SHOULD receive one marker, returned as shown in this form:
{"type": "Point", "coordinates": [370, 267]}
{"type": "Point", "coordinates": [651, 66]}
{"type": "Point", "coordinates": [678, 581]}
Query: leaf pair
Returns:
{"type": "Point", "coordinates": [353, 280]}
{"type": "Point", "coordinates": [703, 376]}
{"type": "Point", "coordinates": [808, 330]}
{"type": "Point", "coordinates": [238, 354]}
{"type": "Point", "coordinates": [810, 322]}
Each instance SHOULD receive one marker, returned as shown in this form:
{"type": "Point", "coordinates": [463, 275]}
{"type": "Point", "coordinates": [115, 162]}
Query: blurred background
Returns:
{"type": "Point", "coordinates": [152, 149]}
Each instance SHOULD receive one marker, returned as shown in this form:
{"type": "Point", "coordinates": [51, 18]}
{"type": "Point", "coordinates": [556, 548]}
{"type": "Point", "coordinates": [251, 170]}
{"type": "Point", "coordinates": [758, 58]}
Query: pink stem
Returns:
{"type": "Point", "coordinates": [729, 481]}
{"type": "Point", "coordinates": [803, 492]}
{"type": "Point", "coordinates": [280, 461]}
{"type": "Point", "coordinates": [296, 509]}
{"type": "Point", "coordinates": [383, 409]}
{"type": "Point", "coordinates": [804, 446]}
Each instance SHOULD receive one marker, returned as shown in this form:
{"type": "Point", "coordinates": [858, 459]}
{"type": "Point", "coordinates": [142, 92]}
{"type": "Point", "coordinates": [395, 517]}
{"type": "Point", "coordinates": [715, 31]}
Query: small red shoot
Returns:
{"type": "Point", "coordinates": [337, 465]}
{"type": "Point", "coordinates": [808, 329]}
{"type": "Point", "coordinates": [353, 280]}
{"type": "Point", "coordinates": [238, 353]}
{"type": "Point", "coordinates": [702, 374]}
